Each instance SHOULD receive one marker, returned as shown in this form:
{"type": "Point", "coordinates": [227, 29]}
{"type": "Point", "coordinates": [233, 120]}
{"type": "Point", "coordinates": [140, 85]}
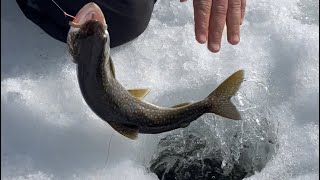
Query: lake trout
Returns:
{"type": "Point", "coordinates": [89, 45]}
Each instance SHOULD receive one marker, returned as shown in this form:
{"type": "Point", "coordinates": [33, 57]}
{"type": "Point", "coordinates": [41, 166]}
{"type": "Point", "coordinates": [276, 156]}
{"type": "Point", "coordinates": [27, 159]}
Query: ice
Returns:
{"type": "Point", "coordinates": [48, 132]}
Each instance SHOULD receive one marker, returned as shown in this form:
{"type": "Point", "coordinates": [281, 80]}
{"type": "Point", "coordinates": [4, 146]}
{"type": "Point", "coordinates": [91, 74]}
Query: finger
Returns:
{"type": "Point", "coordinates": [233, 21]}
{"type": "Point", "coordinates": [243, 9]}
{"type": "Point", "coordinates": [217, 22]}
{"type": "Point", "coordinates": [202, 9]}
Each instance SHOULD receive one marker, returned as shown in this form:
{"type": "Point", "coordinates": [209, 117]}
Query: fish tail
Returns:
{"type": "Point", "coordinates": [219, 100]}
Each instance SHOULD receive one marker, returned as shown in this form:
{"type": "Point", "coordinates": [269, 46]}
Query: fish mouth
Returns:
{"type": "Point", "coordinates": [89, 23]}
{"type": "Point", "coordinates": [90, 11]}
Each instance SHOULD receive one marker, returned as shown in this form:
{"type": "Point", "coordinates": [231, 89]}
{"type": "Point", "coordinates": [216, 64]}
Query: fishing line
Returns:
{"type": "Point", "coordinates": [65, 14]}
{"type": "Point", "coordinates": [105, 165]}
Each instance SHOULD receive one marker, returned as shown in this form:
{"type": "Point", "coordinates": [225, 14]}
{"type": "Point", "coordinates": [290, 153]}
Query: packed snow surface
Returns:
{"type": "Point", "coordinates": [48, 131]}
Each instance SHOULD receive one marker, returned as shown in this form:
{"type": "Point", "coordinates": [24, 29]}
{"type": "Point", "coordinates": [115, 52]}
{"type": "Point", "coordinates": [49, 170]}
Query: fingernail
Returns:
{"type": "Point", "coordinates": [235, 39]}
{"type": "Point", "coordinates": [214, 47]}
{"type": "Point", "coordinates": [202, 38]}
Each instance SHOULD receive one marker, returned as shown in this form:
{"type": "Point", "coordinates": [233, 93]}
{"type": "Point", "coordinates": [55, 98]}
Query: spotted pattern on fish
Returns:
{"type": "Point", "coordinates": [124, 112]}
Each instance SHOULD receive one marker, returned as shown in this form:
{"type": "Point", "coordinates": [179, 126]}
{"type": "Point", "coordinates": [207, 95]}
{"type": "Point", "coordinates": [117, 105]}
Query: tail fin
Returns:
{"type": "Point", "coordinates": [219, 99]}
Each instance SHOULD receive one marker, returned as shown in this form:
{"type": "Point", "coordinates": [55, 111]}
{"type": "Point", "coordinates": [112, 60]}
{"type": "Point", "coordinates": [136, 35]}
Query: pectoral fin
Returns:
{"type": "Point", "coordinates": [139, 93]}
{"type": "Point", "coordinates": [130, 132]}
{"type": "Point", "coordinates": [181, 105]}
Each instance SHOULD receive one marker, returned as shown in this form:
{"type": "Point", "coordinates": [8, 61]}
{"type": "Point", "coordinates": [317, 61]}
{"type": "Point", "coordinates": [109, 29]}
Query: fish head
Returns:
{"type": "Point", "coordinates": [88, 32]}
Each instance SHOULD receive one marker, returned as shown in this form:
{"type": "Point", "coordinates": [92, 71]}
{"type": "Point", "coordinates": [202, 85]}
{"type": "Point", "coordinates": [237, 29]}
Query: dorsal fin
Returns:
{"type": "Point", "coordinates": [139, 93]}
{"type": "Point", "coordinates": [130, 132]}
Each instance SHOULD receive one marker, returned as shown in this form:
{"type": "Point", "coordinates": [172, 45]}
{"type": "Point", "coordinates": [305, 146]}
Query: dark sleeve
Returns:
{"type": "Point", "coordinates": [126, 19]}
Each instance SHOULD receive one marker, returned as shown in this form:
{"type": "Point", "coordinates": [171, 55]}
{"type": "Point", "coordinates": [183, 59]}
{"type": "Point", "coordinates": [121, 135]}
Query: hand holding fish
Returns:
{"type": "Point", "coordinates": [210, 17]}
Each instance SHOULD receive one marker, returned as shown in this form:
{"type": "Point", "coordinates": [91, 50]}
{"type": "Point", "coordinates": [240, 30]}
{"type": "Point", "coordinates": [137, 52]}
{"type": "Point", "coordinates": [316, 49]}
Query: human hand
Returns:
{"type": "Point", "coordinates": [210, 17]}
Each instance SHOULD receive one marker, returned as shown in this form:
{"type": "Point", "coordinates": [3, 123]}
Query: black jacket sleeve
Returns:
{"type": "Point", "coordinates": [126, 19]}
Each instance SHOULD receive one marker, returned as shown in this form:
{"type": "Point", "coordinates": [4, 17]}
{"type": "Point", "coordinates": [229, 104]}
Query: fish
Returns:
{"type": "Point", "coordinates": [124, 109]}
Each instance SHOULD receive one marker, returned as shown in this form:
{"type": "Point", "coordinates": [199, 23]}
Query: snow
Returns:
{"type": "Point", "coordinates": [48, 132]}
